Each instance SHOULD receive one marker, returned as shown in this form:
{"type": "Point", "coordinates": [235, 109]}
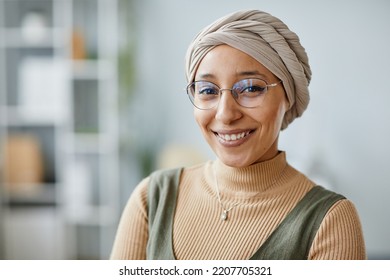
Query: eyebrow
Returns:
{"type": "Point", "coordinates": [251, 73]}
{"type": "Point", "coordinates": [205, 76]}
{"type": "Point", "coordinates": [239, 74]}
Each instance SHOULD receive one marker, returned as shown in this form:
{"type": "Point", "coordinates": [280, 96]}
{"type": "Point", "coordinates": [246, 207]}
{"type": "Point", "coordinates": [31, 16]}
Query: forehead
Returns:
{"type": "Point", "coordinates": [227, 62]}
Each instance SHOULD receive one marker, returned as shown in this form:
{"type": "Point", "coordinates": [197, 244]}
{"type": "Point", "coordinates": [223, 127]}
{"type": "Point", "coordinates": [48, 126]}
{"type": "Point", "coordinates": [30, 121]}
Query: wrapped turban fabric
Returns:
{"type": "Point", "coordinates": [268, 40]}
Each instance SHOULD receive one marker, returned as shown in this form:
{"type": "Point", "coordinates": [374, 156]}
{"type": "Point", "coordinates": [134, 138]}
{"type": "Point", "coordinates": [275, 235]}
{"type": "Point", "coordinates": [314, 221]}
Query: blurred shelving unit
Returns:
{"type": "Point", "coordinates": [59, 166]}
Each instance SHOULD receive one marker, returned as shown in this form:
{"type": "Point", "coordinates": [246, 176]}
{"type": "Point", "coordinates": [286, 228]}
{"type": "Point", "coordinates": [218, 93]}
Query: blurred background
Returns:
{"type": "Point", "coordinates": [92, 99]}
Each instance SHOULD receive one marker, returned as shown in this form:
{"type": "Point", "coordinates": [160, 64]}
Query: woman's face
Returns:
{"type": "Point", "coordinates": [240, 136]}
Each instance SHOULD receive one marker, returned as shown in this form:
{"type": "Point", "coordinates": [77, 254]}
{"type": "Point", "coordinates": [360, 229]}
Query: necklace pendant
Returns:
{"type": "Point", "coordinates": [224, 215]}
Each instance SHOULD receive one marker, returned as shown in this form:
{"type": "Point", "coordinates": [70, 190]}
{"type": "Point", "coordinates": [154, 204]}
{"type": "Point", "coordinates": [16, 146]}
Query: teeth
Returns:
{"type": "Point", "coordinates": [233, 137]}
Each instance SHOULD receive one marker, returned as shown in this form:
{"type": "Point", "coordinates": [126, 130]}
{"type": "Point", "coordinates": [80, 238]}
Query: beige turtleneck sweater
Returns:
{"type": "Point", "coordinates": [263, 193]}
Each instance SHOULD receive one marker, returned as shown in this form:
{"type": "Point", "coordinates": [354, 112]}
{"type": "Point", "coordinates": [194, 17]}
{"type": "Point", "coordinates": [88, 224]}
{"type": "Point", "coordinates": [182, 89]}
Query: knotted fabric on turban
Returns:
{"type": "Point", "coordinates": [268, 40]}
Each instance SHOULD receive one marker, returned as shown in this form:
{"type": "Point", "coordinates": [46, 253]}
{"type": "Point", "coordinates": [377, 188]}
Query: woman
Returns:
{"type": "Point", "coordinates": [248, 79]}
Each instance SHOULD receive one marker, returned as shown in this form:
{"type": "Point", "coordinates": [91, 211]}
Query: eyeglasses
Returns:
{"type": "Point", "coordinates": [248, 93]}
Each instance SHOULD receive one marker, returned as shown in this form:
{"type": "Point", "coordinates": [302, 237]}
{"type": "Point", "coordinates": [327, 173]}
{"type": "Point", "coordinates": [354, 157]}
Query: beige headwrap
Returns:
{"type": "Point", "coordinates": [268, 40]}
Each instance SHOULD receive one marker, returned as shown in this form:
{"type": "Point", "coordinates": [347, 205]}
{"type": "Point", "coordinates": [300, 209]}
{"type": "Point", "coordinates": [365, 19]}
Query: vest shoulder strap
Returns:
{"type": "Point", "coordinates": [162, 194]}
{"type": "Point", "coordinates": [293, 238]}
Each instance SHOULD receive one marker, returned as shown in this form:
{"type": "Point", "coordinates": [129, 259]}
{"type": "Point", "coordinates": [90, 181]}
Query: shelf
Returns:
{"type": "Point", "coordinates": [58, 119]}
{"type": "Point", "coordinates": [14, 38]}
{"type": "Point", "coordinates": [15, 117]}
{"type": "Point", "coordinates": [30, 195]}
{"type": "Point", "coordinates": [92, 69]}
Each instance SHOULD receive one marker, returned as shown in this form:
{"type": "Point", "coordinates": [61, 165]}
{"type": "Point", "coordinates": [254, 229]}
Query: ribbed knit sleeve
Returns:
{"type": "Point", "coordinates": [132, 234]}
{"type": "Point", "coordinates": [340, 235]}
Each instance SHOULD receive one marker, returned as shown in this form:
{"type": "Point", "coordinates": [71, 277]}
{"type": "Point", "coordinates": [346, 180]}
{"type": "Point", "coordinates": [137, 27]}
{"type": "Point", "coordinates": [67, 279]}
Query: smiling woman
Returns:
{"type": "Point", "coordinates": [225, 124]}
{"type": "Point", "coordinates": [248, 79]}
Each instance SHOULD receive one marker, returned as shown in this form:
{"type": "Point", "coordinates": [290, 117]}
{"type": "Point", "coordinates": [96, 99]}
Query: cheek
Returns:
{"type": "Point", "coordinates": [279, 116]}
{"type": "Point", "coordinates": [203, 118]}
{"type": "Point", "coordinates": [273, 118]}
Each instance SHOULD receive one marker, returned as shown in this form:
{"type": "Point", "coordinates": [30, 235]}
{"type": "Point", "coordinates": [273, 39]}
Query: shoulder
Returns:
{"type": "Point", "coordinates": [164, 178]}
{"type": "Point", "coordinates": [173, 176]}
{"type": "Point", "coordinates": [161, 176]}
{"type": "Point", "coordinates": [164, 174]}
{"type": "Point", "coordinates": [343, 210]}
{"type": "Point", "coordinates": [340, 235]}
{"type": "Point", "coordinates": [138, 198]}
{"type": "Point", "coordinates": [196, 170]}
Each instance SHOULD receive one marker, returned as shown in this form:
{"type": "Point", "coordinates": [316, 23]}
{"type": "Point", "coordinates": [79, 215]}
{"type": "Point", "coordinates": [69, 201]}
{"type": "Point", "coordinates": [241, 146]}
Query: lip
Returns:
{"type": "Point", "coordinates": [220, 135]}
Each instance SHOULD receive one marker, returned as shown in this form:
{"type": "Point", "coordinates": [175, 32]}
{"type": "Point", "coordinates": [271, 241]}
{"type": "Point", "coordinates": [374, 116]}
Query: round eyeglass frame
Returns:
{"type": "Point", "coordinates": [190, 92]}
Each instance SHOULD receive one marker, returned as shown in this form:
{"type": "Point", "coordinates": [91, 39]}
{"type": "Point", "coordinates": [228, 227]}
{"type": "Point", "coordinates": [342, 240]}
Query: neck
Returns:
{"type": "Point", "coordinates": [246, 181]}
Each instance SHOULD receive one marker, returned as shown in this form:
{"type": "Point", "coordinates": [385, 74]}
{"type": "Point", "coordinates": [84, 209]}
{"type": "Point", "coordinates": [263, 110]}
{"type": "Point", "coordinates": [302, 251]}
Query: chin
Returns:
{"type": "Point", "coordinates": [236, 162]}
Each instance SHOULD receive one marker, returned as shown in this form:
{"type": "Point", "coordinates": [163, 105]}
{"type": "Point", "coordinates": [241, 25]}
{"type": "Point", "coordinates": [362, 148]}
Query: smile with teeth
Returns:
{"type": "Point", "coordinates": [233, 137]}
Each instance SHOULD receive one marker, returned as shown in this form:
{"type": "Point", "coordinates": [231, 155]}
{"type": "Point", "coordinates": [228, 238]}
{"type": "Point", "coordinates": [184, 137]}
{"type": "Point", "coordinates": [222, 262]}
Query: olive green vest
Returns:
{"type": "Point", "coordinates": [291, 240]}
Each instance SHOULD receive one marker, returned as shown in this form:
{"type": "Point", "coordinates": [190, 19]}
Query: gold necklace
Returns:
{"type": "Point", "coordinates": [225, 211]}
{"type": "Point", "coordinates": [224, 215]}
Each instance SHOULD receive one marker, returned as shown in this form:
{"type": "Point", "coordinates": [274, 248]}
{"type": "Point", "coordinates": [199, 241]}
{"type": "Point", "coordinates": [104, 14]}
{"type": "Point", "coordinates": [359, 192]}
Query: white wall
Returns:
{"type": "Point", "coordinates": [345, 131]}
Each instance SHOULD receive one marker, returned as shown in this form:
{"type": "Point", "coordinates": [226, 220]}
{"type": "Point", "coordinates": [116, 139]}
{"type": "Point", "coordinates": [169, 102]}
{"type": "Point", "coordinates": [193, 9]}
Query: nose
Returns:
{"type": "Point", "coordinates": [228, 109]}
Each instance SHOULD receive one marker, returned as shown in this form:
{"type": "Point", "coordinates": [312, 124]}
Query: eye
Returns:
{"type": "Point", "coordinates": [208, 91]}
{"type": "Point", "coordinates": [206, 88]}
{"type": "Point", "coordinates": [251, 87]}
{"type": "Point", "coordinates": [254, 89]}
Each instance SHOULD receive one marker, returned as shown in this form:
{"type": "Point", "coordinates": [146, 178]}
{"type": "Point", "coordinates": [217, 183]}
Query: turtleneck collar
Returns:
{"type": "Point", "coordinates": [256, 178]}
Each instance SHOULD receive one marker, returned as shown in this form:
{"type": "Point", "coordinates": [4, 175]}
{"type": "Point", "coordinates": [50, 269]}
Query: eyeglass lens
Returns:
{"type": "Point", "coordinates": [247, 93]}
